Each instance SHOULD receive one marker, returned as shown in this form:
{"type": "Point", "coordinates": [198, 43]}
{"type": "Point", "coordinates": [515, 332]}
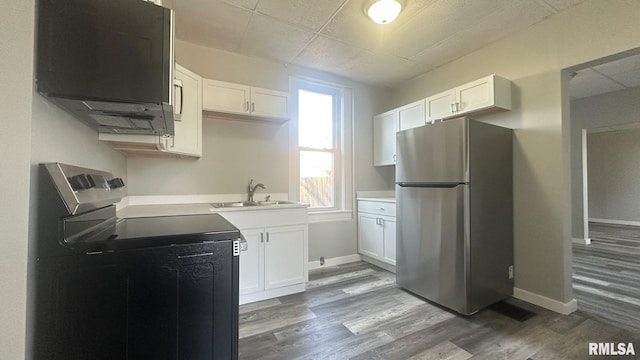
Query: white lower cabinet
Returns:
{"type": "Point", "coordinates": [377, 230]}
{"type": "Point", "coordinates": [273, 258]}
{"type": "Point", "coordinates": [276, 260]}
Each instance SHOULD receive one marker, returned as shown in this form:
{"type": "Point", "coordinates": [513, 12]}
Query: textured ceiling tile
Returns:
{"type": "Point", "coordinates": [509, 18]}
{"type": "Point", "coordinates": [272, 39]}
{"type": "Point", "coordinates": [589, 83]}
{"type": "Point", "coordinates": [351, 25]}
{"type": "Point", "coordinates": [311, 14]}
{"type": "Point", "coordinates": [371, 67]}
{"type": "Point", "coordinates": [210, 23]}
{"type": "Point", "coordinates": [247, 4]}
{"type": "Point", "coordinates": [436, 21]}
{"type": "Point", "coordinates": [326, 54]}
{"type": "Point", "coordinates": [428, 33]}
{"type": "Point", "coordinates": [629, 78]}
{"type": "Point", "coordinates": [560, 5]}
{"type": "Point", "coordinates": [624, 65]}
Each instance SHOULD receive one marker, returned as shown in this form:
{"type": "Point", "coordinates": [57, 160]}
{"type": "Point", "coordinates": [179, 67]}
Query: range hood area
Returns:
{"type": "Point", "coordinates": [109, 63]}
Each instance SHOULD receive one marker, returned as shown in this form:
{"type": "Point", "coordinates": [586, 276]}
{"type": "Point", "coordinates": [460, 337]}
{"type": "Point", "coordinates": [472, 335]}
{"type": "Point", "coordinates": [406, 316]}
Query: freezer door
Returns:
{"type": "Point", "coordinates": [434, 153]}
{"type": "Point", "coordinates": [432, 244]}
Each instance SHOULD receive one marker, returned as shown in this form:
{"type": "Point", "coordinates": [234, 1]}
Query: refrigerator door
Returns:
{"type": "Point", "coordinates": [434, 153]}
{"type": "Point", "coordinates": [431, 244]}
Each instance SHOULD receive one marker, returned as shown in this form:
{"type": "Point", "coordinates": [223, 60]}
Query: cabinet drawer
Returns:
{"type": "Point", "coordinates": [377, 207]}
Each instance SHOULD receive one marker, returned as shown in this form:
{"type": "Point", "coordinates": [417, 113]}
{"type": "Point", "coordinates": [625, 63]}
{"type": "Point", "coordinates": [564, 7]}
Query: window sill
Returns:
{"type": "Point", "coordinates": [327, 216]}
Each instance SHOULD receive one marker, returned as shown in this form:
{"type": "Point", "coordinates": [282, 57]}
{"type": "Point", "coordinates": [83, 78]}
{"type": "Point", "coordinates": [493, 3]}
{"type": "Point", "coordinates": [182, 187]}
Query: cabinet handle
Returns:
{"type": "Point", "coordinates": [380, 208]}
{"type": "Point", "coordinates": [253, 107]}
{"type": "Point", "coordinates": [381, 221]}
{"type": "Point", "coordinates": [267, 236]}
{"type": "Point", "coordinates": [194, 255]}
{"type": "Point", "coordinates": [453, 108]}
{"type": "Point", "coordinates": [261, 237]}
{"type": "Point", "coordinates": [246, 106]}
{"type": "Point", "coordinates": [177, 83]}
{"type": "Point", "coordinates": [394, 157]}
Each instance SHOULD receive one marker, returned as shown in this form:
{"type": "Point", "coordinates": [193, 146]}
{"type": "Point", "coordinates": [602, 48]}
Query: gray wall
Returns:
{"type": "Point", "coordinates": [614, 175]}
{"type": "Point", "coordinates": [16, 69]}
{"type": "Point", "coordinates": [236, 151]}
{"type": "Point", "coordinates": [533, 59]}
{"type": "Point", "coordinates": [32, 130]}
{"type": "Point", "coordinates": [614, 109]}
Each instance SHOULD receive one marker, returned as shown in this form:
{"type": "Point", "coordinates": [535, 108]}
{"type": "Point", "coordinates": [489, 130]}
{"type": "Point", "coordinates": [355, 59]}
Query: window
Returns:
{"type": "Point", "coordinates": [320, 175]}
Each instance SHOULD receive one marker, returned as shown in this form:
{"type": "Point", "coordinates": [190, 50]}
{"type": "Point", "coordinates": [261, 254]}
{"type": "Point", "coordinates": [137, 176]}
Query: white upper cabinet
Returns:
{"type": "Point", "coordinates": [236, 99]}
{"type": "Point", "coordinates": [188, 117]}
{"type": "Point", "coordinates": [491, 92]}
{"type": "Point", "coordinates": [225, 97]}
{"type": "Point", "coordinates": [187, 138]}
{"type": "Point", "coordinates": [440, 105]}
{"type": "Point", "coordinates": [412, 115]}
{"type": "Point", "coordinates": [269, 103]}
{"type": "Point", "coordinates": [384, 138]}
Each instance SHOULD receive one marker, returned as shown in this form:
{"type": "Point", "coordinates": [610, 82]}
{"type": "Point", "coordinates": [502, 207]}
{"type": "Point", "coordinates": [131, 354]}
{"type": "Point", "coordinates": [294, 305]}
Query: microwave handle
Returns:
{"type": "Point", "coordinates": [177, 84]}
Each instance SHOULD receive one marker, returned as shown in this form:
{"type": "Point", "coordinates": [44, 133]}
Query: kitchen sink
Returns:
{"type": "Point", "coordinates": [252, 203]}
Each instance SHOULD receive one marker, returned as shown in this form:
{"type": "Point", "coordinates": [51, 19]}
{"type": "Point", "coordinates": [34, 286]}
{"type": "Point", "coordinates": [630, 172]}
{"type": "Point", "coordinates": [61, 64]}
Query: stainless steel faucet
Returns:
{"type": "Point", "coordinates": [252, 189]}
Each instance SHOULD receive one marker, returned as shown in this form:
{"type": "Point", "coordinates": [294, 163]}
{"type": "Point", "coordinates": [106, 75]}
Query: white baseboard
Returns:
{"type": "Point", "coordinates": [615, 222]}
{"type": "Point", "coordinates": [585, 241]}
{"type": "Point", "coordinates": [545, 302]}
{"type": "Point", "coordinates": [334, 261]}
{"type": "Point", "coordinates": [380, 264]}
{"type": "Point", "coordinates": [273, 293]}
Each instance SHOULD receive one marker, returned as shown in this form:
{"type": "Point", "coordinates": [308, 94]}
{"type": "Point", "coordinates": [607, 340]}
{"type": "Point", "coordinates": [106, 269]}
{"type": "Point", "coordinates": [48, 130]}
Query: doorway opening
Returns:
{"type": "Point", "coordinates": [605, 176]}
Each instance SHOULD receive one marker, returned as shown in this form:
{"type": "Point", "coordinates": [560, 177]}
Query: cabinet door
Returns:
{"type": "Point", "coordinates": [207, 302]}
{"type": "Point", "coordinates": [252, 262]}
{"type": "Point", "coordinates": [389, 239]}
{"type": "Point", "coordinates": [412, 115]}
{"type": "Point", "coordinates": [475, 95]}
{"type": "Point", "coordinates": [384, 138]}
{"type": "Point", "coordinates": [369, 236]}
{"type": "Point", "coordinates": [269, 103]}
{"type": "Point", "coordinates": [440, 106]}
{"type": "Point", "coordinates": [82, 311]}
{"type": "Point", "coordinates": [188, 129]}
{"type": "Point", "coordinates": [225, 97]}
{"type": "Point", "coordinates": [284, 256]}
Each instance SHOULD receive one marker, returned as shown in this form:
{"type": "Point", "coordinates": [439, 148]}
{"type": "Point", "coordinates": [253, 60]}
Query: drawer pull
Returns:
{"type": "Point", "coordinates": [194, 255]}
{"type": "Point", "coordinates": [380, 208]}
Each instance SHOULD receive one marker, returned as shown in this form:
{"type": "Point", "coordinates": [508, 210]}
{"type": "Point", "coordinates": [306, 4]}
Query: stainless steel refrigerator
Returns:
{"type": "Point", "coordinates": [455, 213]}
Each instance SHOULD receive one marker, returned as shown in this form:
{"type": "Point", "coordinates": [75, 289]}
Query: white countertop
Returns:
{"type": "Point", "coordinates": [382, 196]}
{"type": "Point", "coordinates": [378, 199]}
{"type": "Point", "coordinates": [174, 209]}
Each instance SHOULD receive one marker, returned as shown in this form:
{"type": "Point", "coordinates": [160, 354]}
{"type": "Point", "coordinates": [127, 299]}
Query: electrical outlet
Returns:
{"type": "Point", "coordinates": [511, 272]}
{"type": "Point", "coordinates": [321, 260]}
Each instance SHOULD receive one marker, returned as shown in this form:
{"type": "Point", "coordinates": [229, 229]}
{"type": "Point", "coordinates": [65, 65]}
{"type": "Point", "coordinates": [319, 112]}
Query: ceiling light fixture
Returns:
{"type": "Point", "coordinates": [383, 11]}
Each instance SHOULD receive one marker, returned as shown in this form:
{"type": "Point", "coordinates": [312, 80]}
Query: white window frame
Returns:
{"type": "Point", "coordinates": [343, 151]}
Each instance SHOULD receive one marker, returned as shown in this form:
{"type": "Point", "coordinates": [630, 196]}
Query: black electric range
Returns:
{"type": "Point", "coordinates": [135, 288]}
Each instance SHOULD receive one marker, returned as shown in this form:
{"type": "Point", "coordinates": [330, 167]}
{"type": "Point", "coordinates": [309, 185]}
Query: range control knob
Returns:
{"type": "Point", "coordinates": [81, 182]}
{"type": "Point", "coordinates": [116, 183]}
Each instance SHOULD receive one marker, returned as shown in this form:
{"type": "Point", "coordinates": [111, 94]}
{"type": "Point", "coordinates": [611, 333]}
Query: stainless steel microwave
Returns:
{"type": "Point", "coordinates": [108, 62]}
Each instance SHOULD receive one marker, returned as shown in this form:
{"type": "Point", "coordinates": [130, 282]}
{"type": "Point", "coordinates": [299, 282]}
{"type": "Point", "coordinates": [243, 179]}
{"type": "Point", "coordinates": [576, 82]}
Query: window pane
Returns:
{"type": "Point", "coordinates": [316, 178]}
{"type": "Point", "coordinates": [315, 120]}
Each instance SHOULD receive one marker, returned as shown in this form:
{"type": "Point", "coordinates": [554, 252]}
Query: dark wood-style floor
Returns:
{"type": "Point", "coordinates": [606, 275]}
{"type": "Point", "coordinates": [355, 311]}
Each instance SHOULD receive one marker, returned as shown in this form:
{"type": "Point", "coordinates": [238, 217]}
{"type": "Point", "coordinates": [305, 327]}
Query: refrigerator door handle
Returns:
{"type": "Point", "coordinates": [428, 185]}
